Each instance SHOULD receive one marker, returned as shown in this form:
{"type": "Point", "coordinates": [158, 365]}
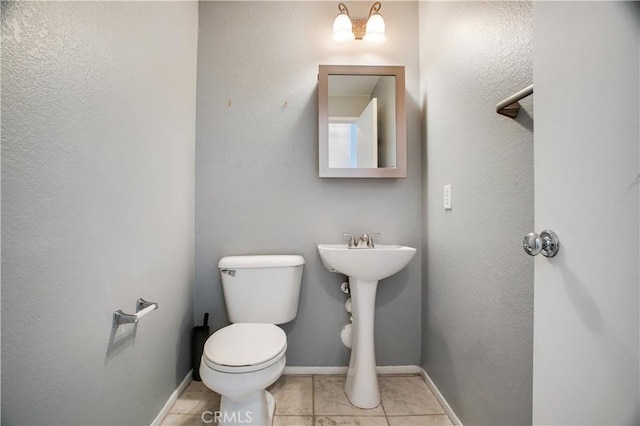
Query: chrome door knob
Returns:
{"type": "Point", "coordinates": [546, 243]}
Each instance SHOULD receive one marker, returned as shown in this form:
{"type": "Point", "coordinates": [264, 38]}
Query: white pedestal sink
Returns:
{"type": "Point", "coordinates": [364, 267]}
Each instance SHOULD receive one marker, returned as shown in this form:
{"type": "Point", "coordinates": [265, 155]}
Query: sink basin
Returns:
{"type": "Point", "coordinates": [367, 264]}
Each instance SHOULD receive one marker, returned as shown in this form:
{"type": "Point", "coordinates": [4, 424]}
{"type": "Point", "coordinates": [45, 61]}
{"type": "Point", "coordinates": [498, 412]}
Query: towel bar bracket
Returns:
{"type": "Point", "coordinates": [510, 111]}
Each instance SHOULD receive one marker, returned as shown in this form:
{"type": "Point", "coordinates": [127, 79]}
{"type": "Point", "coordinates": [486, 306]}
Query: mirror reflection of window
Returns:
{"type": "Point", "coordinates": [342, 149]}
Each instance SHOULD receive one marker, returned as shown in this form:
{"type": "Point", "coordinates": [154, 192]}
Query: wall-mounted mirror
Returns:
{"type": "Point", "coordinates": [361, 121]}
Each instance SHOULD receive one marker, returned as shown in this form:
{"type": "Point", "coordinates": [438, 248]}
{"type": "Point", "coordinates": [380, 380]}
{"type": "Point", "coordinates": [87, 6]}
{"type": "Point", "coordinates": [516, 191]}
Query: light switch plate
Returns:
{"type": "Point", "coordinates": [447, 197]}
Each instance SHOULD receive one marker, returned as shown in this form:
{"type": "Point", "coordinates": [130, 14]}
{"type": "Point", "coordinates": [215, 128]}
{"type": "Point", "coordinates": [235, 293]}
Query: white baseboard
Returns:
{"type": "Point", "coordinates": [398, 369]}
{"type": "Point", "coordinates": [307, 371]}
{"type": "Point", "coordinates": [172, 399]}
{"type": "Point", "coordinates": [443, 402]}
{"type": "Point", "coordinates": [386, 369]}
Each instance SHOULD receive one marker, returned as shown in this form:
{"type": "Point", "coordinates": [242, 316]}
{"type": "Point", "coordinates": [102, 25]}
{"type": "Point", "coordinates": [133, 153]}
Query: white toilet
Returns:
{"type": "Point", "coordinates": [241, 360]}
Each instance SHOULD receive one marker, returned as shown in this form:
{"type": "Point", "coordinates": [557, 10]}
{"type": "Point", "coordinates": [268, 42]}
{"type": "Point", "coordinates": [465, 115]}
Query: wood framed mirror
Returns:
{"type": "Point", "coordinates": [362, 121]}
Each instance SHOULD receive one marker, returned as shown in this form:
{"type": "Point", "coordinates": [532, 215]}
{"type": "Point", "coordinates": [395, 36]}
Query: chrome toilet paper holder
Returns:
{"type": "Point", "coordinates": [142, 308]}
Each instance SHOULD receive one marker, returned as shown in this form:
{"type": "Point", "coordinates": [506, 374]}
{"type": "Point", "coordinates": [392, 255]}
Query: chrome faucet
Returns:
{"type": "Point", "coordinates": [365, 240]}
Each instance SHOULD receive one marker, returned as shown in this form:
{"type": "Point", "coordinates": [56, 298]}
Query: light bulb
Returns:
{"type": "Point", "coordinates": [343, 28]}
{"type": "Point", "coordinates": [375, 29]}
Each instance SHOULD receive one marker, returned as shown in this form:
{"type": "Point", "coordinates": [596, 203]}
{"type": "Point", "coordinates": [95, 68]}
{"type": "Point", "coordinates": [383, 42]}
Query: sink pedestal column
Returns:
{"type": "Point", "coordinates": [361, 386]}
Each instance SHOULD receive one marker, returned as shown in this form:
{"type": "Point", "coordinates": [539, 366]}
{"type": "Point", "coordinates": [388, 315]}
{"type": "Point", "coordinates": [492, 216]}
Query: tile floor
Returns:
{"type": "Point", "coordinates": [320, 401]}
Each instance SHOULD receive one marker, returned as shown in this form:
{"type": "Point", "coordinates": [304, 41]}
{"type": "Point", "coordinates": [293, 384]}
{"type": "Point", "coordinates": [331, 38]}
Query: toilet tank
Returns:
{"type": "Point", "coordinates": [262, 288]}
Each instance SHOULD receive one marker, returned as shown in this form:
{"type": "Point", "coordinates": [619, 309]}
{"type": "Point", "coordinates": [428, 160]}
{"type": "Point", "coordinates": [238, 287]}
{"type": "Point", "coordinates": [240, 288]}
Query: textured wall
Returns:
{"type": "Point", "coordinates": [98, 107]}
{"type": "Point", "coordinates": [257, 185]}
{"type": "Point", "coordinates": [477, 281]}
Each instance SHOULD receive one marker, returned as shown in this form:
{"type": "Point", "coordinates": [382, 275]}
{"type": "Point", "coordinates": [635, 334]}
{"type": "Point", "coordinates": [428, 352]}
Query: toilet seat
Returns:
{"type": "Point", "coordinates": [244, 347]}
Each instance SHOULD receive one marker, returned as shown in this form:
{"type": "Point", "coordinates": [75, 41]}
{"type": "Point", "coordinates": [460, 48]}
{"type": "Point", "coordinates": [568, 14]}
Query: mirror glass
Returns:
{"type": "Point", "coordinates": [362, 121]}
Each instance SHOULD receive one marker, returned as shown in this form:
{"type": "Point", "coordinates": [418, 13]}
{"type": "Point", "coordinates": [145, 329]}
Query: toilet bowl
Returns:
{"type": "Point", "coordinates": [241, 360]}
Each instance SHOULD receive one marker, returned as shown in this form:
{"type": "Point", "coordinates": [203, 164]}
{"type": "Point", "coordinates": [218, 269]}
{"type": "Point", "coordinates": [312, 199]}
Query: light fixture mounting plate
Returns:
{"type": "Point", "coordinates": [359, 28]}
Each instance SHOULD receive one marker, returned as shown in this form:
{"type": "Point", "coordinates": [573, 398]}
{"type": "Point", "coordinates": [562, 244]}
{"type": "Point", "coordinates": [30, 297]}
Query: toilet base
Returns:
{"type": "Point", "coordinates": [245, 400]}
{"type": "Point", "coordinates": [256, 409]}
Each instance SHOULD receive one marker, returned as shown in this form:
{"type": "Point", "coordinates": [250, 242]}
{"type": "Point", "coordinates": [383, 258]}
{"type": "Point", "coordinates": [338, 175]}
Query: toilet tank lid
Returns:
{"type": "Point", "coordinates": [260, 261]}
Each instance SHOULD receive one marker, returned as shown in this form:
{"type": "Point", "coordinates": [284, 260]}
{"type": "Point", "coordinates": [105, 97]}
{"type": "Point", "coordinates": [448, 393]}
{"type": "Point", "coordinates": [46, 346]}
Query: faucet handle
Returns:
{"type": "Point", "coordinates": [352, 239]}
{"type": "Point", "coordinates": [370, 242]}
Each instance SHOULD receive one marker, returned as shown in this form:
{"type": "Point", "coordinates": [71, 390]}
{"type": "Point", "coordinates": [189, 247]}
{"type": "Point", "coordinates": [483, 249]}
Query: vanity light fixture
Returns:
{"type": "Point", "coordinates": [346, 29]}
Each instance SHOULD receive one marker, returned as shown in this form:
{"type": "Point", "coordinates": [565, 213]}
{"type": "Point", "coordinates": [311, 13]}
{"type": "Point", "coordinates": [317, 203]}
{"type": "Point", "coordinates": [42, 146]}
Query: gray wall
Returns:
{"type": "Point", "coordinates": [257, 185]}
{"type": "Point", "coordinates": [477, 281]}
{"type": "Point", "coordinates": [98, 107]}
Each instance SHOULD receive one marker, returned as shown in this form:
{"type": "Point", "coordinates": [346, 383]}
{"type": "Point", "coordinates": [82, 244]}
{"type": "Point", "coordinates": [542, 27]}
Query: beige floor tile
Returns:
{"type": "Point", "coordinates": [195, 389]}
{"type": "Point", "coordinates": [407, 395]}
{"type": "Point", "coordinates": [294, 396]}
{"type": "Point", "coordinates": [196, 399]}
{"type": "Point", "coordinates": [330, 399]}
{"type": "Point", "coordinates": [350, 421]}
{"type": "Point", "coordinates": [293, 421]}
{"type": "Point", "coordinates": [196, 386]}
{"type": "Point", "coordinates": [406, 399]}
{"type": "Point", "coordinates": [183, 420]}
{"type": "Point", "coordinates": [431, 420]}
